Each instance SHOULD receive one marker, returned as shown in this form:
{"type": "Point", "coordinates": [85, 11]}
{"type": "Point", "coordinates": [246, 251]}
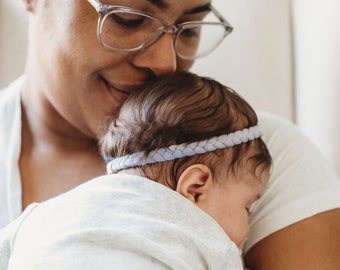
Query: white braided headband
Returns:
{"type": "Point", "coordinates": [183, 150]}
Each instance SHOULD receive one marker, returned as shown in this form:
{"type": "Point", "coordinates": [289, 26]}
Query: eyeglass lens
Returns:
{"type": "Point", "coordinates": [132, 31]}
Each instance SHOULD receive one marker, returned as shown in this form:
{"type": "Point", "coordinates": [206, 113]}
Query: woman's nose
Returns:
{"type": "Point", "coordinates": [160, 57]}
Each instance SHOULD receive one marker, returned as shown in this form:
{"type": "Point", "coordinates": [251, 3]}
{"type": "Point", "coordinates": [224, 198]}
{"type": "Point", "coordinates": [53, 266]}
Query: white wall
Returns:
{"type": "Point", "coordinates": [284, 56]}
{"type": "Point", "coordinates": [256, 58]}
{"type": "Point", "coordinates": [12, 40]}
{"type": "Point", "coordinates": [317, 46]}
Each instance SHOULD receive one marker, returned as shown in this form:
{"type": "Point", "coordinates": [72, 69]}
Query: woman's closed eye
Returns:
{"type": "Point", "coordinates": [192, 32]}
{"type": "Point", "coordinates": [126, 20]}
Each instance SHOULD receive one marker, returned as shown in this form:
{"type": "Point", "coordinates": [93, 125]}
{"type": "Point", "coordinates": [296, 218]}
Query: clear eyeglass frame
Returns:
{"type": "Point", "coordinates": [211, 43]}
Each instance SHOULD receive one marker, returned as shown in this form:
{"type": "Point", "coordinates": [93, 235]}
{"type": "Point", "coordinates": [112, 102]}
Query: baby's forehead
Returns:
{"type": "Point", "coordinates": [256, 185]}
{"type": "Point", "coordinates": [260, 176]}
{"type": "Point", "coordinates": [254, 174]}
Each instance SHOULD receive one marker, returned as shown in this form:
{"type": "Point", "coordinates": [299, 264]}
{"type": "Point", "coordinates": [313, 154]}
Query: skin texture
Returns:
{"type": "Point", "coordinates": [311, 244]}
{"type": "Point", "coordinates": [66, 96]}
{"type": "Point", "coordinates": [227, 203]}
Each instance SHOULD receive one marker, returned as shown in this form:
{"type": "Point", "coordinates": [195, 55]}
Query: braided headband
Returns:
{"type": "Point", "coordinates": [183, 150]}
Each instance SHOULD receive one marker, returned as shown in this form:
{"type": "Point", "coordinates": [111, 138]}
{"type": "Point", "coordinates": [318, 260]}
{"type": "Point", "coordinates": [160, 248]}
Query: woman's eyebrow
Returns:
{"type": "Point", "coordinates": [204, 8]}
{"type": "Point", "coordinates": [163, 5]}
{"type": "Point", "coordinates": [159, 3]}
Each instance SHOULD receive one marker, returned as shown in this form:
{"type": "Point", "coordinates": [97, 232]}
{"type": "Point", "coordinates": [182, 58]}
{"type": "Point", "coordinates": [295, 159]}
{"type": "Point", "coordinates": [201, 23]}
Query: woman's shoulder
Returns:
{"type": "Point", "coordinates": [272, 122]}
{"type": "Point", "coordinates": [10, 95]}
{"type": "Point", "coordinates": [300, 176]}
{"type": "Point", "coordinates": [291, 147]}
{"type": "Point", "coordinates": [278, 132]}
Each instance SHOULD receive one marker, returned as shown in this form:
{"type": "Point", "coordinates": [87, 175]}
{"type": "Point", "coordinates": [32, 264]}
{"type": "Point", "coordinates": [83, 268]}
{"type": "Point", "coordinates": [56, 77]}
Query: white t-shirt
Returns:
{"type": "Point", "coordinates": [117, 221]}
{"type": "Point", "coordinates": [10, 145]}
{"type": "Point", "coordinates": [302, 183]}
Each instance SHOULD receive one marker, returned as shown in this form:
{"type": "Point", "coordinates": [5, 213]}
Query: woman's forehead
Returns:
{"type": "Point", "coordinates": [166, 5]}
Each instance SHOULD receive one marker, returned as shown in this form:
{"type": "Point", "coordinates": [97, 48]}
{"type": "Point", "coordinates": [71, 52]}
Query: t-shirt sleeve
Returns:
{"type": "Point", "coordinates": [302, 182]}
{"type": "Point", "coordinates": [8, 234]}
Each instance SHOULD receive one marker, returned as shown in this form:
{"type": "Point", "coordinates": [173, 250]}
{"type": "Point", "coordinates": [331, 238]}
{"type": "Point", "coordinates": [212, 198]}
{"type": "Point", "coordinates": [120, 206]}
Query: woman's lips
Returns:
{"type": "Point", "coordinates": [119, 93]}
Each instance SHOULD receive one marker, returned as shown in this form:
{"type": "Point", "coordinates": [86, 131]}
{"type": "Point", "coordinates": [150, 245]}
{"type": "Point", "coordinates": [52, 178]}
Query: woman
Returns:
{"type": "Point", "coordinates": [72, 82]}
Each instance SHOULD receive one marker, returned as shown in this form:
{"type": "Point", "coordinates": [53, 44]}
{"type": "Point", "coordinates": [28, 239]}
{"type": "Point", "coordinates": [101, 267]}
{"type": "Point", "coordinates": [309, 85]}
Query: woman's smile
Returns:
{"type": "Point", "coordinates": [118, 92]}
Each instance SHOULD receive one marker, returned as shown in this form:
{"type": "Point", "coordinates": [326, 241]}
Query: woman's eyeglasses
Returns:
{"type": "Point", "coordinates": [126, 30]}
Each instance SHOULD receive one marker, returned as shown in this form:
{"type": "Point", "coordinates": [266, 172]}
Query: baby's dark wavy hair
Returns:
{"type": "Point", "coordinates": [183, 108]}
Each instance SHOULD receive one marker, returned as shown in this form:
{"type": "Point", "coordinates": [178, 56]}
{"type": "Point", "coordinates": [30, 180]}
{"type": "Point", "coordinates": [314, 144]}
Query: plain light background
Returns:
{"type": "Point", "coordinates": [283, 56]}
{"type": "Point", "coordinates": [256, 58]}
{"type": "Point", "coordinates": [12, 40]}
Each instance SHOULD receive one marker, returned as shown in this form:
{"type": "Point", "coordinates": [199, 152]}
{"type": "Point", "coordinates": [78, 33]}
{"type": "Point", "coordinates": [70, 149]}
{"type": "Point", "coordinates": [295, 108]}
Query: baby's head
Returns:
{"type": "Point", "coordinates": [184, 108]}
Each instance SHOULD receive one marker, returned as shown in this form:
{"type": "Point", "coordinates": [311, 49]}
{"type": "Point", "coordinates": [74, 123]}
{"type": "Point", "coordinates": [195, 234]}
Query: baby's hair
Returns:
{"type": "Point", "coordinates": [184, 108]}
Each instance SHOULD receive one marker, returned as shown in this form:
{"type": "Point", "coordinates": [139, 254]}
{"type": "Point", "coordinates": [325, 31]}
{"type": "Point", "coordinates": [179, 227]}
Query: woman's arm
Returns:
{"type": "Point", "coordinates": [296, 222]}
{"type": "Point", "coordinates": [313, 244]}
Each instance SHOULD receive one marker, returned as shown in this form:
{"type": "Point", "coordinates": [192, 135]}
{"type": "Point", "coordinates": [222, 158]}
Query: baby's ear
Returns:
{"type": "Point", "coordinates": [194, 182]}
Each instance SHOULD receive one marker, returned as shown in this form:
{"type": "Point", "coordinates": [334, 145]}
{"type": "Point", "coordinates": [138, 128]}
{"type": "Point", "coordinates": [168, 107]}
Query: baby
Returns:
{"type": "Point", "coordinates": [185, 165]}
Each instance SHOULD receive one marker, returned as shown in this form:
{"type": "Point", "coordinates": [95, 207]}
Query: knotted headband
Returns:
{"type": "Point", "coordinates": [182, 150]}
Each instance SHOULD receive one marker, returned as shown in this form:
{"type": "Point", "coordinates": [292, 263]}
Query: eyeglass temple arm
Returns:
{"type": "Point", "coordinates": [95, 3]}
{"type": "Point", "coordinates": [220, 17]}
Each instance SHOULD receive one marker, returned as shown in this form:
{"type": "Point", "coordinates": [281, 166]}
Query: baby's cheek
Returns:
{"type": "Point", "coordinates": [242, 232]}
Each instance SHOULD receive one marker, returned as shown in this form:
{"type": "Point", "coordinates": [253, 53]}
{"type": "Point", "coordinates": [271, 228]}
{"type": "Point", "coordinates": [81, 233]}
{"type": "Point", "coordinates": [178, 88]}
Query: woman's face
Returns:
{"type": "Point", "coordinates": [75, 78]}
